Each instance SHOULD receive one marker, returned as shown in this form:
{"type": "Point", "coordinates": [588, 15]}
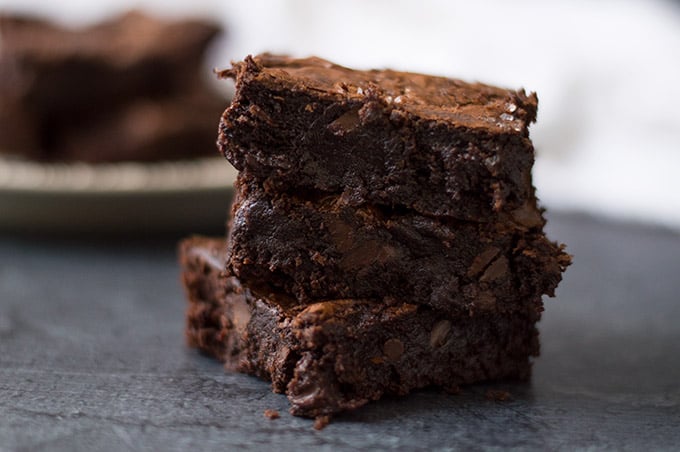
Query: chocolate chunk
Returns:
{"type": "Point", "coordinates": [482, 260]}
{"type": "Point", "coordinates": [345, 123]}
{"type": "Point", "coordinates": [393, 349]}
{"type": "Point", "coordinates": [497, 269]}
{"type": "Point", "coordinates": [439, 333]}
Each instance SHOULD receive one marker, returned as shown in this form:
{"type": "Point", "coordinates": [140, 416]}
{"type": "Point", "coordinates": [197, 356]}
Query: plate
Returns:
{"type": "Point", "coordinates": [186, 196]}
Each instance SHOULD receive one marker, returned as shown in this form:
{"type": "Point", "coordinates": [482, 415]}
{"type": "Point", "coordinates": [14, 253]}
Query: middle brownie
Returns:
{"type": "Point", "coordinates": [322, 247]}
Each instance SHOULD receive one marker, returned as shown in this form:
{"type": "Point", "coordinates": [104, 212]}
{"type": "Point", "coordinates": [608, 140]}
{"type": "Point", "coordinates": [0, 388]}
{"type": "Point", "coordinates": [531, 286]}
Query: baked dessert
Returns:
{"type": "Point", "coordinates": [385, 235]}
{"type": "Point", "coordinates": [62, 88]}
{"type": "Point", "coordinates": [144, 131]}
{"type": "Point", "coordinates": [437, 146]}
{"type": "Point", "coordinates": [336, 355]}
{"type": "Point", "coordinates": [319, 247]}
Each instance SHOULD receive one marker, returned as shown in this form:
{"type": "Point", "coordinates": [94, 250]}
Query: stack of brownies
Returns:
{"type": "Point", "coordinates": [385, 235]}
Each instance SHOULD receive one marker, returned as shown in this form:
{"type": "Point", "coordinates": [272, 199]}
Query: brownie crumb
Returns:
{"type": "Point", "coordinates": [498, 395]}
{"type": "Point", "coordinates": [271, 414]}
{"type": "Point", "coordinates": [320, 422]}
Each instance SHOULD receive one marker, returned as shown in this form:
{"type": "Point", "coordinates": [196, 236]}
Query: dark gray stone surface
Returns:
{"type": "Point", "coordinates": [92, 357]}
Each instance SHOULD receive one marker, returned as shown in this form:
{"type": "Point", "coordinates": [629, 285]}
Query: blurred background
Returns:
{"type": "Point", "coordinates": [607, 74]}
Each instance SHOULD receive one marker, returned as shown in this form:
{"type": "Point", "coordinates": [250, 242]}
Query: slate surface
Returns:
{"type": "Point", "coordinates": [92, 357]}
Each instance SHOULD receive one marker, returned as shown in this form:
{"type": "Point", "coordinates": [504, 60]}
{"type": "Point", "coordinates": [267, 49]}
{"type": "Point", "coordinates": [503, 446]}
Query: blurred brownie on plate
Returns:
{"type": "Point", "coordinates": [129, 88]}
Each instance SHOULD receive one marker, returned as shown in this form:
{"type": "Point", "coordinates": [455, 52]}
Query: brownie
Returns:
{"type": "Point", "coordinates": [145, 130]}
{"type": "Point", "coordinates": [64, 87]}
{"type": "Point", "coordinates": [327, 248]}
{"type": "Point", "coordinates": [438, 146]}
{"type": "Point", "coordinates": [338, 355]}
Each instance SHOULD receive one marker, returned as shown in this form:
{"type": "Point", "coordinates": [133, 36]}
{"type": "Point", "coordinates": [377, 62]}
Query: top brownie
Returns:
{"type": "Point", "coordinates": [439, 146]}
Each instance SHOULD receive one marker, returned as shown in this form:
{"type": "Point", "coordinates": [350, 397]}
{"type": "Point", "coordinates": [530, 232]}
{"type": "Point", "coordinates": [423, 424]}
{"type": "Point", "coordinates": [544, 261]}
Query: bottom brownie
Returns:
{"type": "Point", "coordinates": [338, 355]}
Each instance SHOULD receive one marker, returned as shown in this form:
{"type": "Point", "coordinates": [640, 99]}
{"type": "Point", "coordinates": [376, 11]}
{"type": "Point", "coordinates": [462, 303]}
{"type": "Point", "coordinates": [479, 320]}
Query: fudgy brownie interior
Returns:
{"type": "Point", "coordinates": [324, 247]}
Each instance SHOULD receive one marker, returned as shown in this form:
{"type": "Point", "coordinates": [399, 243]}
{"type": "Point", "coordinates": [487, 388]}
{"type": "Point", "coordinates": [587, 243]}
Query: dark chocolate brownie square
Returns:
{"type": "Point", "coordinates": [438, 146]}
{"type": "Point", "coordinates": [337, 355]}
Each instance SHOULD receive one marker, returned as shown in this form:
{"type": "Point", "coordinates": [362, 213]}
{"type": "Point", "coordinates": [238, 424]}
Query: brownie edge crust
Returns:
{"type": "Point", "coordinates": [338, 355]}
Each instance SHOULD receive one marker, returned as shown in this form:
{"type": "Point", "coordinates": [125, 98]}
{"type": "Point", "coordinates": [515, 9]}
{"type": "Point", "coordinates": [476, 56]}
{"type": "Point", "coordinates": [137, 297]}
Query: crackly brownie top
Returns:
{"type": "Point", "coordinates": [431, 98]}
